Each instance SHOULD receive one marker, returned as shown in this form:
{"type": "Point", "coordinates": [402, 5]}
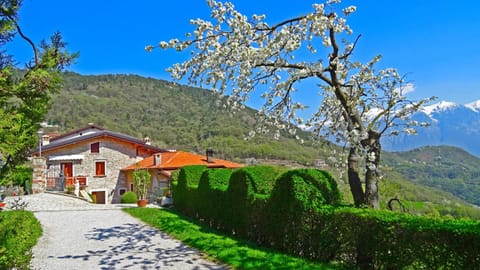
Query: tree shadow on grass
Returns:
{"type": "Point", "coordinates": [136, 246]}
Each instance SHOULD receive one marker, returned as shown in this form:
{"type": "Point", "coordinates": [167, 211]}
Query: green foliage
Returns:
{"type": "Point", "coordinates": [21, 176]}
{"type": "Point", "coordinates": [301, 216]}
{"type": "Point", "coordinates": [19, 231]}
{"type": "Point", "coordinates": [424, 200]}
{"type": "Point", "coordinates": [211, 195]}
{"type": "Point", "coordinates": [128, 197]}
{"type": "Point", "coordinates": [25, 97]}
{"type": "Point", "coordinates": [296, 195]}
{"type": "Point", "coordinates": [185, 189]}
{"type": "Point", "coordinates": [446, 168]}
{"type": "Point", "coordinates": [141, 182]}
{"type": "Point", "coordinates": [398, 241]}
{"type": "Point", "coordinates": [247, 190]}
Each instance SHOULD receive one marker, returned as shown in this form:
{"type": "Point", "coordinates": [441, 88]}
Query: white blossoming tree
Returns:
{"type": "Point", "coordinates": [235, 55]}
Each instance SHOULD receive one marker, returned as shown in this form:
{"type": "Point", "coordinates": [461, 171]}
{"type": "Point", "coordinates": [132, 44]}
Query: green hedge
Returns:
{"type": "Point", "coordinates": [19, 231]}
{"type": "Point", "coordinates": [374, 239]}
{"type": "Point", "coordinates": [128, 197]}
{"type": "Point", "coordinates": [299, 214]}
{"type": "Point", "coordinates": [246, 186]}
{"type": "Point", "coordinates": [297, 194]}
{"type": "Point", "coordinates": [211, 194]}
{"type": "Point", "coordinates": [185, 187]}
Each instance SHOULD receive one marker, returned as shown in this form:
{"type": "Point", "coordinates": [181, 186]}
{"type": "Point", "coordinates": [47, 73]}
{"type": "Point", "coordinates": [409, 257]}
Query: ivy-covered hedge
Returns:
{"type": "Point", "coordinates": [19, 231]}
{"type": "Point", "coordinates": [299, 213]}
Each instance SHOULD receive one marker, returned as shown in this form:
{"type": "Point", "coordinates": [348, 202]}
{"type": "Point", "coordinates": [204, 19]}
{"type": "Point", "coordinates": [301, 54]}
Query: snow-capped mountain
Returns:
{"type": "Point", "coordinates": [450, 124]}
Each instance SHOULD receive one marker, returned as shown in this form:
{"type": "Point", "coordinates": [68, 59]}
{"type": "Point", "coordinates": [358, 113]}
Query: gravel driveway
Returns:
{"type": "Point", "coordinates": [79, 235]}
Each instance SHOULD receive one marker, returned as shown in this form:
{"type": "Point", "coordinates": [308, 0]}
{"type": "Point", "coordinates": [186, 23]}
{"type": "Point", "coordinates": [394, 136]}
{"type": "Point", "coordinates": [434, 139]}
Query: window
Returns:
{"type": "Point", "coordinates": [122, 191]}
{"type": "Point", "coordinates": [131, 187]}
{"type": "Point", "coordinates": [95, 147]}
{"type": "Point", "coordinates": [99, 168]}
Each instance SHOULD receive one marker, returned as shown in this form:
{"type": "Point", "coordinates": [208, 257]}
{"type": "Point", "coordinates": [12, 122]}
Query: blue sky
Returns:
{"type": "Point", "coordinates": [436, 43]}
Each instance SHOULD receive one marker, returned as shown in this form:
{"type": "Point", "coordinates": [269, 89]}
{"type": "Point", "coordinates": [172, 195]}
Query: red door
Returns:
{"type": "Point", "coordinates": [67, 169]}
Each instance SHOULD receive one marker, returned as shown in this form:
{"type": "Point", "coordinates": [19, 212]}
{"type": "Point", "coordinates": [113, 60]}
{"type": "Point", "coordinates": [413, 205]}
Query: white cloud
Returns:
{"type": "Point", "coordinates": [405, 89]}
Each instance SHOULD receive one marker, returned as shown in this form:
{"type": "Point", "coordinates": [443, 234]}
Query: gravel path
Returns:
{"type": "Point", "coordinates": [79, 235]}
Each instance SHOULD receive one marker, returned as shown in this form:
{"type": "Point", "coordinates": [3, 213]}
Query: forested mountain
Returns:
{"type": "Point", "coordinates": [191, 119]}
{"type": "Point", "coordinates": [172, 115]}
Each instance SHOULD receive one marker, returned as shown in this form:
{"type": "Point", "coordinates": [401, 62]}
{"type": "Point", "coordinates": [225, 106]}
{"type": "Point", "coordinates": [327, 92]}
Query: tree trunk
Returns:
{"type": "Point", "coordinates": [371, 177]}
{"type": "Point", "coordinates": [354, 178]}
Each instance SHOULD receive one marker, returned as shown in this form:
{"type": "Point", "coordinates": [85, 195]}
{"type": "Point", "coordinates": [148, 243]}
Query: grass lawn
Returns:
{"type": "Point", "coordinates": [220, 247]}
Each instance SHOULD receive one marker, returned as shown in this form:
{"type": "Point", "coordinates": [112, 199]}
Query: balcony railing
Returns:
{"type": "Point", "coordinates": [56, 183]}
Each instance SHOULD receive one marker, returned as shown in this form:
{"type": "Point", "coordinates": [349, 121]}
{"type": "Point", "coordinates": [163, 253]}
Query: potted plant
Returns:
{"type": "Point", "coordinates": [141, 180]}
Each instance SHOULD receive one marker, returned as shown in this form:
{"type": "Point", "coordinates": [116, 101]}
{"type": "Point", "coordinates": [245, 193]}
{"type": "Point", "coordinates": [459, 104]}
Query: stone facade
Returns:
{"type": "Point", "coordinates": [114, 153]}
{"type": "Point", "coordinates": [93, 157]}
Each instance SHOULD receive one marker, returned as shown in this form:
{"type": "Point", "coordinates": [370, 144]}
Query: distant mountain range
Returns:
{"type": "Point", "coordinates": [450, 124]}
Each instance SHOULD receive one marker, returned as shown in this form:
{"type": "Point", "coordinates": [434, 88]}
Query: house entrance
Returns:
{"type": "Point", "coordinates": [100, 196]}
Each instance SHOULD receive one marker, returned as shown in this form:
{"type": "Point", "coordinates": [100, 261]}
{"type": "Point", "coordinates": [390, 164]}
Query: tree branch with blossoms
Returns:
{"type": "Point", "coordinates": [235, 55]}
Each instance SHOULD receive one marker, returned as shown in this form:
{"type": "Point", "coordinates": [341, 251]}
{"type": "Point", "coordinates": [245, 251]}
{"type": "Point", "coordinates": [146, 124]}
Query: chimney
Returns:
{"type": "Point", "coordinates": [146, 140]}
{"type": "Point", "coordinates": [45, 139]}
{"type": "Point", "coordinates": [209, 155]}
{"type": "Point", "coordinates": [157, 159]}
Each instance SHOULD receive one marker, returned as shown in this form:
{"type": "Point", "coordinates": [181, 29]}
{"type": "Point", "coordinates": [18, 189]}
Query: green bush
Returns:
{"type": "Point", "coordinates": [387, 240]}
{"type": "Point", "coordinates": [211, 195]}
{"type": "Point", "coordinates": [128, 197]}
{"type": "Point", "coordinates": [19, 232]}
{"type": "Point", "coordinates": [245, 187]}
{"type": "Point", "coordinates": [294, 200]}
{"type": "Point", "coordinates": [184, 192]}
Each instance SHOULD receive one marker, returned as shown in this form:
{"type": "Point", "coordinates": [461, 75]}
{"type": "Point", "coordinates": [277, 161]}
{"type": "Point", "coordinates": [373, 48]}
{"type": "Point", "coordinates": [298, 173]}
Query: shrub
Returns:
{"type": "Point", "coordinates": [19, 232]}
{"type": "Point", "coordinates": [128, 197]}
{"type": "Point", "coordinates": [184, 192]}
{"type": "Point", "coordinates": [294, 200]}
{"type": "Point", "coordinates": [141, 180]}
{"type": "Point", "coordinates": [211, 195]}
{"type": "Point", "coordinates": [245, 187]}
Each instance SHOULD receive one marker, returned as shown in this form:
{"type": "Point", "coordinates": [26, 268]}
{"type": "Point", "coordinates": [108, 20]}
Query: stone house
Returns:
{"type": "Point", "coordinates": [102, 162]}
{"type": "Point", "coordinates": [94, 157]}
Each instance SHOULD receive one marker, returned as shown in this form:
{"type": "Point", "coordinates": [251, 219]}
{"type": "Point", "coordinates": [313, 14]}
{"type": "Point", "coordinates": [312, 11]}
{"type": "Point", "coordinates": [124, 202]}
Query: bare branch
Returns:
{"type": "Point", "coordinates": [34, 48]}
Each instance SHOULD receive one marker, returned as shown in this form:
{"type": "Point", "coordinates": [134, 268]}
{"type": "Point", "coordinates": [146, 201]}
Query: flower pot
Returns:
{"type": "Point", "coordinates": [142, 203]}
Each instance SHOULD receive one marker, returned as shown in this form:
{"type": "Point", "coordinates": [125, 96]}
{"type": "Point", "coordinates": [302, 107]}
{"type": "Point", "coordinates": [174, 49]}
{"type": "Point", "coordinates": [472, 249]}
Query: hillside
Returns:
{"type": "Point", "coordinates": [172, 115]}
{"type": "Point", "coordinates": [446, 168]}
{"type": "Point", "coordinates": [191, 119]}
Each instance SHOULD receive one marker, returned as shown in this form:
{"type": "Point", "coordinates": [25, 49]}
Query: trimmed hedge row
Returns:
{"type": "Point", "coordinates": [298, 213]}
{"type": "Point", "coordinates": [19, 231]}
{"type": "Point", "coordinates": [388, 240]}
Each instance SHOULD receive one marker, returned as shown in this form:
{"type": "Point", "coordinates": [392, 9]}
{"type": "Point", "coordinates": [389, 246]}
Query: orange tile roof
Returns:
{"type": "Point", "coordinates": [178, 159]}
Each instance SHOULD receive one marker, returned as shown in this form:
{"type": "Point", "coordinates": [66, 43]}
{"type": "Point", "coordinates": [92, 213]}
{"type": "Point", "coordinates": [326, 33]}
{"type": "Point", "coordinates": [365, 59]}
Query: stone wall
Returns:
{"type": "Point", "coordinates": [39, 179]}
